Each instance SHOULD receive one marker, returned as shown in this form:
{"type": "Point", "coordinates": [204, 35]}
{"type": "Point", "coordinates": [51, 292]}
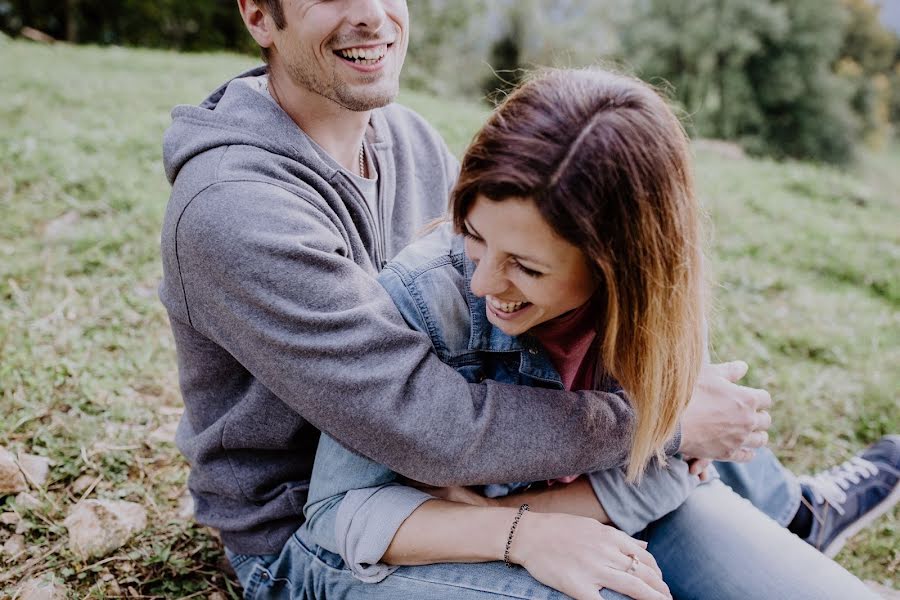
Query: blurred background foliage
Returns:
{"type": "Point", "coordinates": [808, 79]}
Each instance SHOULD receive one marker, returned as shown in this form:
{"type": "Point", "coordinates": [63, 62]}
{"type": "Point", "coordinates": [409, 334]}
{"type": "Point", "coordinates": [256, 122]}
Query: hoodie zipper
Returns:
{"type": "Point", "coordinates": [379, 204]}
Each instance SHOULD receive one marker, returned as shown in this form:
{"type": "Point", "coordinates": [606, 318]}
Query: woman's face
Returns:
{"type": "Point", "coordinates": [526, 272]}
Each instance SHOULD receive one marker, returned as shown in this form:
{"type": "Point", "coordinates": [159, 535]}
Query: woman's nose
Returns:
{"type": "Point", "coordinates": [488, 278]}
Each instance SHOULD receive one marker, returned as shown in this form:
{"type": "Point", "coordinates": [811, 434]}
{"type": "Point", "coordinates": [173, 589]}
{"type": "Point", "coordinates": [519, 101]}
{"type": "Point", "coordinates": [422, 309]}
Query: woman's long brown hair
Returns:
{"type": "Point", "coordinates": [608, 165]}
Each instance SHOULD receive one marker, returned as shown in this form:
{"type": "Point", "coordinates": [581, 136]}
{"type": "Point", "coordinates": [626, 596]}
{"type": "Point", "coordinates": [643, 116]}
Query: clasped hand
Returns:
{"type": "Point", "coordinates": [724, 420]}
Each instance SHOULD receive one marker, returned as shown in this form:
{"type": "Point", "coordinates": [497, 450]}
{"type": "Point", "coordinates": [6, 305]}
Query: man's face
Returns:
{"type": "Point", "coordinates": [348, 51]}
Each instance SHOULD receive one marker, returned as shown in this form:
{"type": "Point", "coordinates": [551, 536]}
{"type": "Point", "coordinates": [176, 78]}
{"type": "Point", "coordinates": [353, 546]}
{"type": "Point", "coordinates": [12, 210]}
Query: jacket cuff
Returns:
{"type": "Point", "coordinates": [367, 521]}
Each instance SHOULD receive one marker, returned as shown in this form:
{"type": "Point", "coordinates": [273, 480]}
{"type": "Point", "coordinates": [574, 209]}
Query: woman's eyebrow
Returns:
{"type": "Point", "coordinates": [474, 232]}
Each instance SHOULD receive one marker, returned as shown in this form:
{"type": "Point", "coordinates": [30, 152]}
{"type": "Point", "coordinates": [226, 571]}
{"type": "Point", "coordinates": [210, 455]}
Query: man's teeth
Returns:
{"type": "Point", "coordinates": [365, 55]}
{"type": "Point", "coordinates": [506, 307]}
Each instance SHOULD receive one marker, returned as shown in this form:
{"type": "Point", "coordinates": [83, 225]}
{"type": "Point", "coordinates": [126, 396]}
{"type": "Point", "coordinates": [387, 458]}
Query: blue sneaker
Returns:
{"type": "Point", "coordinates": [845, 499]}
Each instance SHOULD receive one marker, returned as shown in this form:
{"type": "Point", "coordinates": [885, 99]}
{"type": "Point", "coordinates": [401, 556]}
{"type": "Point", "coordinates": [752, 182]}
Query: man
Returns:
{"type": "Point", "coordinates": [292, 186]}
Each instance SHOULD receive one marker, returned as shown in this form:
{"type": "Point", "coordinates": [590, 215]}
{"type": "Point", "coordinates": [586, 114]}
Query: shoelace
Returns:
{"type": "Point", "coordinates": [831, 485]}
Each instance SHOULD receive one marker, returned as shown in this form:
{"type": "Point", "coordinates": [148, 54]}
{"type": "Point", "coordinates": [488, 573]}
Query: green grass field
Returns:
{"type": "Point", "coordinates": [806, 261]}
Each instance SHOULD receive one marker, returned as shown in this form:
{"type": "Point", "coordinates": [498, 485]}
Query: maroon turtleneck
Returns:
{"type": "Point", "coordinates": [567, 340]}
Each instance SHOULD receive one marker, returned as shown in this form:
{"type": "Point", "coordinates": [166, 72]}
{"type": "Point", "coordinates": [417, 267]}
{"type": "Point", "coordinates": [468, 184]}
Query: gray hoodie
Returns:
{"type": "Point", "coordinates": [269, 256]}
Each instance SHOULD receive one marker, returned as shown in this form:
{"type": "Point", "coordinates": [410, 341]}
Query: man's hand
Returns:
{"type": "Point", "coordinates": [725, 421]}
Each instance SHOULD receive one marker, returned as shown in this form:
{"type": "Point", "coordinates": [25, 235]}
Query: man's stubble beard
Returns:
{"type": "Point", "coordinates": [342, 94]}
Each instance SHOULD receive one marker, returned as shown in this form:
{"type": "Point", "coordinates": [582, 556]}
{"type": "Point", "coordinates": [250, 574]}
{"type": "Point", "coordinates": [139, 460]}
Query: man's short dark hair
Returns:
{"type": "Point", "coordinates": [274, 9]}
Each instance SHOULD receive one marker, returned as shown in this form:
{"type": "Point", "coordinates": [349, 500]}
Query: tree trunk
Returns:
{"type": "Point", "coordinates": [72, 21]}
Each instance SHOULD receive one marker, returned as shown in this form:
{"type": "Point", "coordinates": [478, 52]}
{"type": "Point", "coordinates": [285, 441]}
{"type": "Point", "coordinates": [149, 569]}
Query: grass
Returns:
{"type": "Point", "coordinates": [807, 263]}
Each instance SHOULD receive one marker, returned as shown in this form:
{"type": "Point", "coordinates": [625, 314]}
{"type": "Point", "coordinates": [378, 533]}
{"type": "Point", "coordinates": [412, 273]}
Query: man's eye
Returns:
{"type": "Point", "coordinates": [471, 236]}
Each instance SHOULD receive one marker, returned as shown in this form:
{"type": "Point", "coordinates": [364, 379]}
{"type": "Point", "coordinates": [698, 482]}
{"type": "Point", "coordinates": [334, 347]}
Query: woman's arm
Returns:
{"type": "Point", "coordinates": [399, 525]}
{"type": "Point", "coordinates": [576, 498]}
{"type": "Point", "coordinates": [605, 496]}
{"type": "Point", "coordinates": [443, 531]}
{"type": "Point", "coordinates": [576, 555]}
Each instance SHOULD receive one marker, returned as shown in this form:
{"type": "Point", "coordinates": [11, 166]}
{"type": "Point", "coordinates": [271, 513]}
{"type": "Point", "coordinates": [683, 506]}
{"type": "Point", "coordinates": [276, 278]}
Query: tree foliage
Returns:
{"type": "Point", "coordinates": [868, 58]}
{"type": "Point", "coordinates": [446, 36]}
{"type": "Point", "coordinates": [195, 25]}
{"type": "Point", "coordinates": [770, 73]}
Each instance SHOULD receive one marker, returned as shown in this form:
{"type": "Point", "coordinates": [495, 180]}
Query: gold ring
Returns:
{"type": "Point", "coordinates": [632, 568]}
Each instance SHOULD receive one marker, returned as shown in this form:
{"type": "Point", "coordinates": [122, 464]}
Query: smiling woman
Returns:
{"type": "Point", "coordinates": [527, 273]}
{"type": "Point", "coordinates": [607, 202]}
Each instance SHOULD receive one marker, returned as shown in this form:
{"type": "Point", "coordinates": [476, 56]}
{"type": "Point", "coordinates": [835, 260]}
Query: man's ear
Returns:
{"type": "Point", "coordinates": [258, 23]}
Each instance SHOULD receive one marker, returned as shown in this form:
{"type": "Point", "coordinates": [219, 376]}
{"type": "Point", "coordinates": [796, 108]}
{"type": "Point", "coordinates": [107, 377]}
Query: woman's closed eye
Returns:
{"type": "Point", "coordinates": [471, 236]}
{"type": "Point", "coordinates": [526, 270]}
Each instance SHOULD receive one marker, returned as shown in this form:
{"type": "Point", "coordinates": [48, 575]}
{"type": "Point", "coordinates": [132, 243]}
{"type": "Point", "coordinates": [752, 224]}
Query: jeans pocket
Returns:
{"type": "Point", "coordinates": [252, 572]}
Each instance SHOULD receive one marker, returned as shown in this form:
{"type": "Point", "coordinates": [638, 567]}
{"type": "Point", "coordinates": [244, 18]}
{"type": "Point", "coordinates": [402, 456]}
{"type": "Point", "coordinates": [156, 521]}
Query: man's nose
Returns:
{"type": "Point", "coordinates": [367, 14]}
{"type": "Point", "coordinates": [488, 278]}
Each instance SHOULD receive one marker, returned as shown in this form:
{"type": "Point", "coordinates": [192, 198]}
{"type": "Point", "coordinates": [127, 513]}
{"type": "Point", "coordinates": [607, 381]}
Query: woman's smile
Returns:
{"type": "Point", "coordinates": [507, 310]}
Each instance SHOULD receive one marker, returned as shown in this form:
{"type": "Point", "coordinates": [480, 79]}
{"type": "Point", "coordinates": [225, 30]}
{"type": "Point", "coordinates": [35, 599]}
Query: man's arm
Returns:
{"type": "Point", "coordinates": [267, 276]}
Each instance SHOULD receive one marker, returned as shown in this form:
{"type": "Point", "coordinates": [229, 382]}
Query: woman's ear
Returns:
{"type": "Point", "coordinates": [258, 23]}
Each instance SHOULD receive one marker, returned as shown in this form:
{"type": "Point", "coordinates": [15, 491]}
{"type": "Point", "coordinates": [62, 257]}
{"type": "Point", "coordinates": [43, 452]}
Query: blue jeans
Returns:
{"type": "Point", "coordinates": [715, 546]}
{"type": "Point", "coordinates": [304, 571]}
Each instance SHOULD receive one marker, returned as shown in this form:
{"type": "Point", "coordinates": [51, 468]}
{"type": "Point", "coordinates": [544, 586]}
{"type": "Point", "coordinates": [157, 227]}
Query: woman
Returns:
{"type": "Point", "coordinates": [575, 263]}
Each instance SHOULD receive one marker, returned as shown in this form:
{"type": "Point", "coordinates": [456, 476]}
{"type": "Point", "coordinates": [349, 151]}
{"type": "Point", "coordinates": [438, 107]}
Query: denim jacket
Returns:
{"type": "Point", "coordinates": [355, 505]}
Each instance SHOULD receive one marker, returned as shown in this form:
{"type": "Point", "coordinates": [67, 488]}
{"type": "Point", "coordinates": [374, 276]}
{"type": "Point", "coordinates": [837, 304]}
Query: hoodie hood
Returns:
{"type": "Point", "coordinates": [233, 115]}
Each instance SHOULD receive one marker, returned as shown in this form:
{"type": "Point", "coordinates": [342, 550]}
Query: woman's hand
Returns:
{"type": "Point", "coordinates": [463, 495]}
{"type": "Point", "coordinates": [579, 556]}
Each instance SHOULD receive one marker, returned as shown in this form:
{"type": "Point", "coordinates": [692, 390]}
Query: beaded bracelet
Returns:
{"type": "Point", "coordinates": [512, 532]}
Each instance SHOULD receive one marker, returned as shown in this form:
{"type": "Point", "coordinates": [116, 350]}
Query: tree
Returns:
{"type": "Point", "coordinates": [447, 39]}
{"type": "Point", "coordinates": [758, 71]}
{"type": "Point", "coordinates": [701, 48]}
{"type": "Point", "coordinates": [806, 107]}
{"type": "Point", "coordinates": [867, 60]}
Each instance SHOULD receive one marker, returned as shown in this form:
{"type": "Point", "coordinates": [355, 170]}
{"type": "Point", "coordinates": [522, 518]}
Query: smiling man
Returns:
{"type": "Point", "coordinates": [292, 185]}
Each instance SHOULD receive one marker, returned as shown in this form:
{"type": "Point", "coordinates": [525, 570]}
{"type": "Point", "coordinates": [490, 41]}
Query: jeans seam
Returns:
{"type": "Point", "coordinates": [253, 583]}
{"type": "Point", "coordinates": [486, 590]}
{"type": "Point", "coordinates": [238, 559]}
{"type": "Point", "coordinates": [793, 506]}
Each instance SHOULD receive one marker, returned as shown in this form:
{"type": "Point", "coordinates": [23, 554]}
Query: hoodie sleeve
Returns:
{"type": "Point", "coordinates": [267, 276]}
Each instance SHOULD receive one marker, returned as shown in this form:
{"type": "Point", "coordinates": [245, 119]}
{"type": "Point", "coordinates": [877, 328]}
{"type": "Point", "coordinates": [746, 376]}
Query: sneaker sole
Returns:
{"type": "Point", "coordinates": [864, 521]}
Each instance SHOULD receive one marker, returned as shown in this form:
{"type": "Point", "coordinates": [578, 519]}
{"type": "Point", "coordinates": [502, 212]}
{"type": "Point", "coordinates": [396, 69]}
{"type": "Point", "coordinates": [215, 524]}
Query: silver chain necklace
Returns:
{"type": "Point", "coordinates": [362, 161]}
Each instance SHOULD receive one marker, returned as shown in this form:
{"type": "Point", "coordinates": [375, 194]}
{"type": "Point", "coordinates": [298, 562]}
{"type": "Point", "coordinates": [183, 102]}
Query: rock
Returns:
{"type": "Point", "coordinates": [164, 434]}
{"type": "Point", "coordinates": [186, 506]}
{"type": "Point", "coordinates": [170, 411]}
{"type": "Point", "coordinates": [80, 485]}
{"type": "Point", "coordinates": [27, 501]}
{"type": "Point", "coordinates": [97, 527]}
{"type": "Point", "coordinates": [35, 468]}
{"type": "Point", "coordinates": [43, 588]}
{"type": "Point", "coordinates": [62, 225]}
{"type": "Point", "coordinates": [216, 596]}
{"type": "Point", "coordinates": [35, 35]}
{"type": "Point", "coordinates": [11, 479]}
{"type": "Point", "coordinates": [14, 546]}
{"type": "Point", "coordinates": [10, 518]}
{"type": "Point", "coordinates": [883, 591]}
